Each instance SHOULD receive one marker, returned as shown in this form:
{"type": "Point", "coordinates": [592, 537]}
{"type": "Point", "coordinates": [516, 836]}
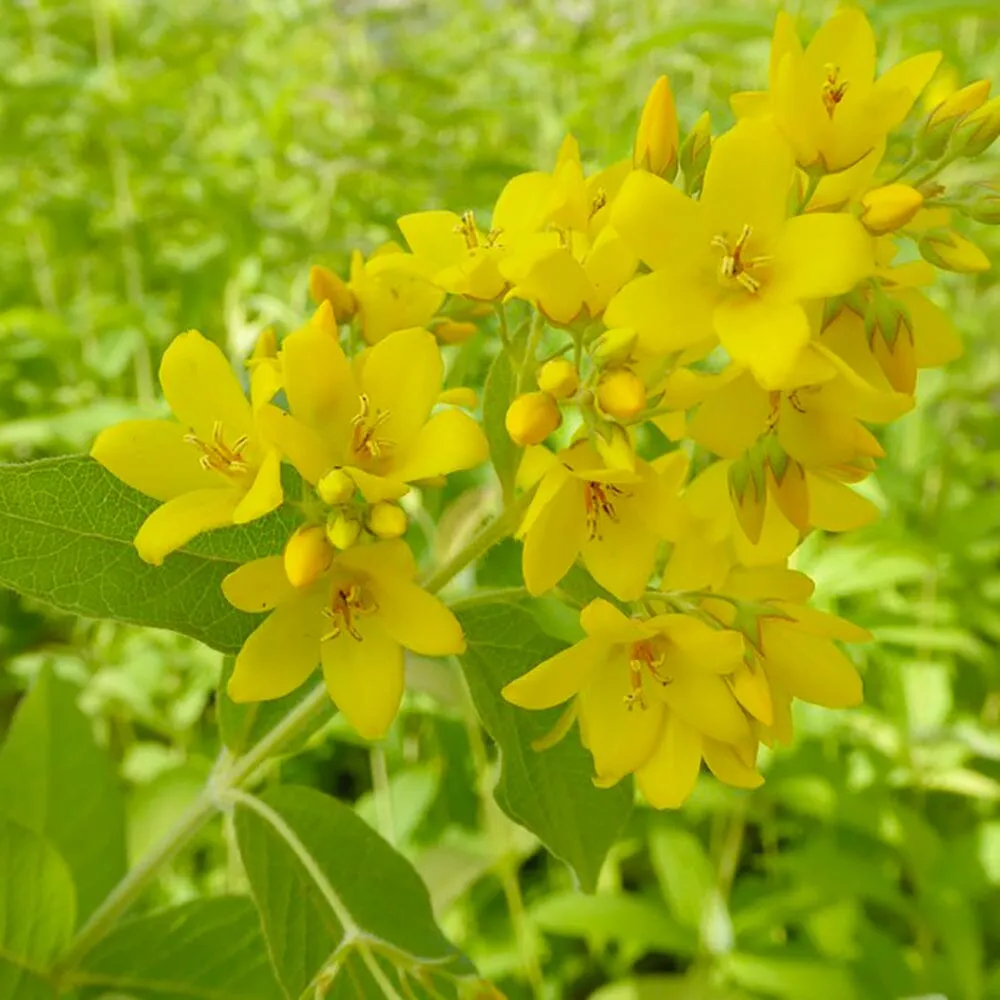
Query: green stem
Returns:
{"type": "Point", "coordinates": [194, 818]}
{"type": "Point", "coordinates": [934, 171]}
{"type": "Point", "coordinates": [814, 180]}
{"type": "Point", "coordinates": [530, 350]}
{"type": "Point", "coordinates": [502, 327]}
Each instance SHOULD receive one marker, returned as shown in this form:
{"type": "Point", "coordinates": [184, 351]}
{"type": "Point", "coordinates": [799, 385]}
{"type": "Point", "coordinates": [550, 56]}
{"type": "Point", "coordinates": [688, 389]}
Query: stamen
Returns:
{"type": "Point", "coordinates": [598, 502]}
{"type": "Point", "coordinates": [346, 606]}
{"type": "Point", "coordinates": [832, 91]}
{"type": "Point", "coordinates": [598, 202]}
{"type": "Point", "coordinates": [217, 456]}
{"type": "Point", "coordinates": [734, 266]}
{"type": "Point", "coordinates": [467, 229]}
{"type": "Point", "coordinates": [646, 655]}
{"type": "Point", "coordinates": [366, 424]}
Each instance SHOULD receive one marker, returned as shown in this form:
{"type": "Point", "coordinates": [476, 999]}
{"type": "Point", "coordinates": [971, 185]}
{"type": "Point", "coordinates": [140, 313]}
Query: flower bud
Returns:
{"type": "Point", "coordinates": [621, 394]}
{"type": "Point", "coordinates": [559, 378]}
{"type": "Point", "coordinates": [265, 348]}
{"type": "Point", "coordinates": [952, 252]}
{"type": "Point", "coordinates": [978, 130]}
{"type": "Point", "coordinates": [656, 141]}
{"type": "Point", "coordinates": [450, 331]}
{"type": "Point", "coordinates": [325, 286]}
{"type": "Point", "coordinates": [986, 208]}
{"type": "Point", "coordinates": [342, 531]}
{"type": "Point", "coordinates": [886, 209]}
{"type": "Point", "coordinates": [336, 487]}
{"type": "Point", "coordinates": [531, 418]}
{"type": "Point", "coordinates": [387, 520]}
{"type": "Point", "coordinates": [307, 555]}
{"type": "Point", "coordinates": [937, 130]}
{"type": "Point", "coordinates": [459, 396]}
{"type": "Point", "coordinates": [614, 346]}
{"type": "Point", "coordinates": [694, 153]}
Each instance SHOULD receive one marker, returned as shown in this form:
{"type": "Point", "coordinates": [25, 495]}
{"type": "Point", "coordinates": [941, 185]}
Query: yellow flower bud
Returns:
{"type": "Point", "coordinates": [325, 286]}
{"type": "Point", "coordinates": [336, 487]}
{"type": "Point", "coordinates": [459, 396]}
{"type": "Point", "coordinates": [615, 448]}
{"type": "Point", "coordinates": [265, 348]}
{"type": "Point", "coordinates": [952, 252]}
{"type": "Point", "coordinates": [342, 532]}
{"type": "Point", "coordinates": [621, 394]}
{"type": "Point", "coordinates": [614, 346]}
{"type": "Point", "coordinates": [387, 520]}
{"type": "Point", "coordinates": [886, 209]}
{"type": "Point", "coordinates": [656, 141]}
{"type": "Point", "coordinates": [307, 555]}
{"type": "Point", "coordinates": [978, 130]}
{"type": "Point", "coordinates": [940, 124]}
{"type": "Point", "coordinates": [693, 156]}
{"type": "Point", "coordinates": [449, 331]}
{"type": "Point", "coordinates": [531, 418]}
{"type": "Point", "coordinates": [986, 209]}
{"type": "Point", "coordinates": [559, 378]}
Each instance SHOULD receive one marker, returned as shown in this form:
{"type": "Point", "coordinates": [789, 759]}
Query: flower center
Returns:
{"type": "Point", "coordinates": [365, 440]}
{"type": "Point", "coordinates": [598, 202]}
{"type": "Point", "coordinates": [736, 265]}
{"type": "Point", "coordinates": [466, 228]}
{"type": "Point", "coordinates": [347, 605]}
{"type": "Point", "coordinates": [645, 656]}
{"type": "Point", "coordinates": [833, 88]}
{"type": "Point", "coordinates": [217, 456]}
{"type": "Point", "coordinates": [598, 502]}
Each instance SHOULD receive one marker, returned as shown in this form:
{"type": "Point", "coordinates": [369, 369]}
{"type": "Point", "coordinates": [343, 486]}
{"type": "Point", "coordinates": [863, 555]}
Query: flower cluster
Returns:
{"type": "Point", "coordinates": [745, 306]}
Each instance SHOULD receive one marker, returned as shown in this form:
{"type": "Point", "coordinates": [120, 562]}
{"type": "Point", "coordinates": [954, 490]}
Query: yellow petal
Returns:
{"type": "Point", "coordinates": [416, 619]}
{"type": "Point", "coordinates": [725, 763]}
{"type": "Point", "coordinates": [259, 585]}
{"type": "Point", "coordinates": [935, 337]}
{"type": "Point", "coordinates": [392, 557]}
{"type": "Point", "coordinates": [763, 335]}
{"type": "Point", "coordinates": [897, 89]}
{"type": "Point", "coordinates": [750, 103]}
{"type": "Point", "coordinates": [696, 646]}
{"type": "Point", "coordinates": [622, 554]}
{"type": "Point", "coordinates": [747, 181]}
{"type": "Point", "coordinates": [706, 702]}
{"type": "Point", "coordinates": [821, 254]}
{"type": "Point", "coordinates": [608, 266]}
{"type": "Point", "coordinates": [668, 777]}
{"type": "Point", "coordinates": [621, 740]}
{"type": "Point", "coordinates": [402, 377]}
{"type": "Point", "coordinates": [558, 678]}
{"type": "Point", "coordinates": [822, 623]}
{"type": "Point", "coordinates": [435, 236]}
{"type": "Point", "coordinates": [152, 457]}
{"type": "Point", "coordinates": [312, 455]}
{"type": "Point", "coordinates": [767, 582]}
{"type": "Point", "coordinates": [603, 620]}
{"type": "Point", "coordinates": [265, 494]}
{"type": "Point", "coordinates": [320, 386]}
{"type": "Point", "coordinates": [554, 538]}
{"type": "Point", "coordinates": [202, 389]}
{"type": "Point", "coordinates": [809, 667]}
{"type": "Point", "coordinates": [365, 679]}
{"type": "Point", "coordinates": [751, 690]}
{"type": "Point", "coordinates": [836, 507]}
{"type": "Point", "coordinates": [177, 521]}
{"type": "Point", "coordinates": [282, 651]}
{"type": "Point", "coordinates": [557, 283]}
{"type": "Point", "coordinates": [451, 440]}
{"type": "Point", "coordinates": [522, 204]}
{"type": "Point", "coordinates": [395, 293]}
{"type": "Point", "coordinates": [846, 41]}
{"type": "Point", "coordinates": [732, 418]}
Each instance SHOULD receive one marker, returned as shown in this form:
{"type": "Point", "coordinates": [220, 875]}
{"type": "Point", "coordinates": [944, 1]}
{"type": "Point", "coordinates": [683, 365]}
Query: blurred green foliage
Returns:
{"type": "Point", "coordinates": [164, 166]}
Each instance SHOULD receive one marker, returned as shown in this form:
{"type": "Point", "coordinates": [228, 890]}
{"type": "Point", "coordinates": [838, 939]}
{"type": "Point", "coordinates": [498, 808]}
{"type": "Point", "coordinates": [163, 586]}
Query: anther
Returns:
{"type": "Point", "coordinates": [833, 89]}
{"type": "Point", "coordinates": [734, 266]}
{"type": "Point", "coordinates": [598, 502]}
{"type": "Point", "coordinates": [346, 606]}
{"type": "Point", "coordinates": [365, 426]}
{"type": "Point", "coordinates": [217, 456]}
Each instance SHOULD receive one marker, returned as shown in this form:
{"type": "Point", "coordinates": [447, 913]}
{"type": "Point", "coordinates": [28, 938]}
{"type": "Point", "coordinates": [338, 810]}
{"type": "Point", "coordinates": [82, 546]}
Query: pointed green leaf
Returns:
{"type": "Point", "coordinates": [550, 792]}
{"type": "Point", "coordinates": [66, 530]}
{"type": "Point", "coordinates": [499, 390]}
{"type": "Point", "coordinates": [57, 782]}
{"type": "Point", "coordinates": [37, 911]}
{"type": "Point", "coordinates": [319, 874]}
{"type": "Point", "coordinates": [208, 949]}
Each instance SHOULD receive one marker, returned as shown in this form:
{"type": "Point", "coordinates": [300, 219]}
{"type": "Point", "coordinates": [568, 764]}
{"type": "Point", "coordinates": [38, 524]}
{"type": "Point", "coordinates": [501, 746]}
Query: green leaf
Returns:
{"type": "Point", "coordinates": [66, 530]}
{"type": "Point", "coordinates": [637, 923]}
{"type": "Point", "coordinates": [499, 390]}
{"type": "Point", "coordinates": [243, 725]}
{"type": "Point", "coordinates": [551, 792]}
{"type": "Point", "coordinates": [57, 782]}
{"type": "Point", "coordinates": [37, 911]}
{"type": "Point", "coordinates": [320, 875]}
{"type": "Point", "coordinates": [791, 978]}
{"type": "Point", "coordinates": [689, 987]}
{"type": "Point", "coordinates": [208, 949]}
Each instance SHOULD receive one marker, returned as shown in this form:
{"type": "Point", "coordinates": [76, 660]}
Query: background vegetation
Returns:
{"type": "Point", "coordinates": [169, 165]}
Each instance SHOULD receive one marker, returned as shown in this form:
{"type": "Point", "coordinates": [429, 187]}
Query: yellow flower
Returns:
{"type": "Point", "coordinates": [613, 518]}
{"type": "Point", "coordinates": [372, 420]}
{"type": "Point", "coordinates": [392, 292]}
{"type": "Point", "coordinates": [825, 98]}
{"type": "Point", "coordinates": [327, 286]}
{"type": "Point", "coordinates": [651, 698]}
{"type": "Point", "coordinates": [731, 264]}
{"type": "Point", "coordinates": [210, 466]}
{"type": "Point", "coordinates": [657, 137]}
{"type": "Point", "coordinates": [355, 620]}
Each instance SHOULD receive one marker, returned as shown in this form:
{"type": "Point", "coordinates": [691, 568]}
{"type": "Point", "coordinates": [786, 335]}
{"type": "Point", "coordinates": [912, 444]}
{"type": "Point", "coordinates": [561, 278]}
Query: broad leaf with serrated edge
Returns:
{"type": "Point", "coordinates": [550, 792]}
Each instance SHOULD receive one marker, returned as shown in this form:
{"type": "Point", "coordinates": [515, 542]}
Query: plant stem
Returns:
{"type": "Point", "coordinates": [136, 881]}
{"type": "Point", "coordinates": [502, 327]}
{"type": "Point", "coordinates": [530, 350]}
